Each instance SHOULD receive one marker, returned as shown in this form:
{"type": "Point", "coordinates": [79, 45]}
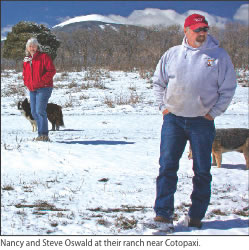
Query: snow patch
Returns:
{"type": "Point", "coordinates": [87, 18]}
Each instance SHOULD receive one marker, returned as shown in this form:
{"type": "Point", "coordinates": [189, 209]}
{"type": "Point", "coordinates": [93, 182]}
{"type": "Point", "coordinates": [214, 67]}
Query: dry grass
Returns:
{"type": "Point", "coordinates": [69, 103]}
{"type": "Point", "coordinates": [244, 212]}
{"type": "Point", "coordinates": [218, 212]}
{"type": "Point", "coordinates": [126, 209]}
{"type": "Point", "coordinates": [123, 99]}
{"type": "Point", "coordinates": [84, 97]}
{"type": "Point", "coordinates": [41, 206]}
{"type": "Point", "coordinates": [13, 89]}
{"type": "Point", "coordinates": [8, 187]}
{"type": "Point", "coordinates": [85, 85]}
{"type": "Point", "coordinates": [124, 223]}
{"type": "Point", "coordinates": [104, 222]}
{"type": "Point", "coordinates": [72, 84]}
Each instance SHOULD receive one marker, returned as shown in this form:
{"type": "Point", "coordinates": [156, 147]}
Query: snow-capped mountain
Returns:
{"type": "Point", "coordinates": [87, 18]}
{"type": "Point", "coordinates": [89, 22]}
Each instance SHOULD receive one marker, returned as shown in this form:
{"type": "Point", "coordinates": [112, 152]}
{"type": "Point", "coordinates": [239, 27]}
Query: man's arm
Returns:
{"type": "Point", "coordinates": [160, 80]}
{"type": "Point", "coordinates": [227, 85]}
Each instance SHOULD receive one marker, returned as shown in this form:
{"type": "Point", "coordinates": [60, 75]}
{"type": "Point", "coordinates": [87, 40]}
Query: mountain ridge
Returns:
{"type": "Point", "coordinates": [88, 25]}
{"type": "Point", "coordinates": [87, 18]}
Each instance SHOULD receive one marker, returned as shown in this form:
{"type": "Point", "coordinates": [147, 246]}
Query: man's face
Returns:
{"type": "Point", "coordinates": [195, 39]}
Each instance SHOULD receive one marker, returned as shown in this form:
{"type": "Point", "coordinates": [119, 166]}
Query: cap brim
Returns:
{"type": "Point", "coordinates": [198, 25]}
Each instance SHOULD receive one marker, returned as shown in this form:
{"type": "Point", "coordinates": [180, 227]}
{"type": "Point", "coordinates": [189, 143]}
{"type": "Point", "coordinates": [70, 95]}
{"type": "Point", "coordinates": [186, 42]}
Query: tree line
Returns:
{"type": "Point", "coordinates": [132, 47]}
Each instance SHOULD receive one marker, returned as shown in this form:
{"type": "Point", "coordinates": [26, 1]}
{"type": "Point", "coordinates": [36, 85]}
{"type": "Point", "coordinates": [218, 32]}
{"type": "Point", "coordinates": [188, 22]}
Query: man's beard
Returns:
{"type": "Point", "coordinates": [200, 40]}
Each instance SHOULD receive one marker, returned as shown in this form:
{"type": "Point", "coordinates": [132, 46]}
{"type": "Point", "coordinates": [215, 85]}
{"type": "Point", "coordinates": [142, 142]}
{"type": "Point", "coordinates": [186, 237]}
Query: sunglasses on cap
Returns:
{"type": "Point", "coordinates": [204, 29]}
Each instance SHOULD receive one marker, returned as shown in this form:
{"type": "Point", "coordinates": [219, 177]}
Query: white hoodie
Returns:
{"type": "Point", "coordinates": [193, 82]}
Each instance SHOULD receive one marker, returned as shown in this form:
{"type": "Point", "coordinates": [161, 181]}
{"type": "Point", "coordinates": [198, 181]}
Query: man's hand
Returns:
{"type": "Point", "coordinates": [209, 117]}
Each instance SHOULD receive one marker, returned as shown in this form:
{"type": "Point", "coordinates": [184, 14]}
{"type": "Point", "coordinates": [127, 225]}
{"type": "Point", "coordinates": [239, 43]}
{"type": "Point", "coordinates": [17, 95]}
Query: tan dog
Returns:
{"type": "Point", "coordinates": [228, 140]}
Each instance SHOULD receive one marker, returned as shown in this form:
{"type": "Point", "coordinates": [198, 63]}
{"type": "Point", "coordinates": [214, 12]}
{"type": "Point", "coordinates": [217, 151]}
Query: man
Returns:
{"type": "Point", "coordinates": [194, 83]}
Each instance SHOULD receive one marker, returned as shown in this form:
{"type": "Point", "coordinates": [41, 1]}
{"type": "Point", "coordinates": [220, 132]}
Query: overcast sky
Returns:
{"type": "Point", "coordinates": [146, 13]}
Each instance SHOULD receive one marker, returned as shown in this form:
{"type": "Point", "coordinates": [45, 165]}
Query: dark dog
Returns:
{"type": "Point", "coordinates": [24, 107]}
{"type": "Point", "coordinates": [228, 140]}
{"type": "Point", "coordinates": [54, 114]}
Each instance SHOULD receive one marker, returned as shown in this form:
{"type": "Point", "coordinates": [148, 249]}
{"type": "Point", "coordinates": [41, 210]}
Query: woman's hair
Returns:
{"type": "Point", "coordinates": [33, 41]}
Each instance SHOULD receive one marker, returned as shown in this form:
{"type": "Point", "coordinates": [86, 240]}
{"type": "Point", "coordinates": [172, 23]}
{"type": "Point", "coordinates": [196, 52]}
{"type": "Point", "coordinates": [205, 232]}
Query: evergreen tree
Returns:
{"type": "Point", "coordinates": [14, 45]}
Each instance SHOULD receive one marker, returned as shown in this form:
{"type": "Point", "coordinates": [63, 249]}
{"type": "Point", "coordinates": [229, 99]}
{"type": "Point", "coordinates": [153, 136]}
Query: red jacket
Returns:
{"type": "Point", "coordinates": [38, 71]}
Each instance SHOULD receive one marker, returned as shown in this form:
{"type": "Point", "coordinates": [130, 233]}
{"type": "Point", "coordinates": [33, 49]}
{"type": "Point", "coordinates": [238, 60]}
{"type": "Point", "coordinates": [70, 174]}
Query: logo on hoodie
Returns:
{"type": "Point", "coordinates": [210, 62]}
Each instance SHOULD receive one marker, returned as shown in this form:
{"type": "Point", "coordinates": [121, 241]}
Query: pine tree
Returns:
{"type": "Point", "coordinates": [14, 45]}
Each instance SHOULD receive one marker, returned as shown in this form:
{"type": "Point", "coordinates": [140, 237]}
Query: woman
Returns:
{"type": "Point", "coordinates": [38, 73]}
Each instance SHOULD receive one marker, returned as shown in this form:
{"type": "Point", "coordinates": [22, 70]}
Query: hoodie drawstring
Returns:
{"type": "Point", "coordinates": [185, 52]}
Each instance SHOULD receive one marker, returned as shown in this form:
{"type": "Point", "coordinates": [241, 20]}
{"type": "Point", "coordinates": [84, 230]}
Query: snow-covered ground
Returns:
{"type": "Point", "coordinates": [97, 175]}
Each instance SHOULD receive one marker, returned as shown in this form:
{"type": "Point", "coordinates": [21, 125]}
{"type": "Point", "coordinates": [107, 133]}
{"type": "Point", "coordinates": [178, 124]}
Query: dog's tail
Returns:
{"type": "Point", "coordinates": [61, 119]}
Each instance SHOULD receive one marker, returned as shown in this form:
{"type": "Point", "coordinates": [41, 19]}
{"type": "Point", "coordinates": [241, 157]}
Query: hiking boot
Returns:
{"type": "Point", "coordinates": [162, 224]}
{"type": "Point", "coordinates": [162, 220]}
{"type": "Point", "coordinates": [45, 138]}
{"type": "Point", "coordinates": [38, 138]}
{"type": "Point", "coordinates": [42, 138]}
{"type": "Point", "coordinates": [194, 223]}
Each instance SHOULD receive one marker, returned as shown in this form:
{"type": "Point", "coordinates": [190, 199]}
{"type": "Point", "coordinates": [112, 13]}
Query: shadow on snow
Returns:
{"type": "Point", "coordinates": [216, 224]}
{"type": "Point", "coordinates": [67, 130]}
{"type": "Point", "coordinates": [97, 142]}
{"type": "Point", "coordinates": [235, 166]}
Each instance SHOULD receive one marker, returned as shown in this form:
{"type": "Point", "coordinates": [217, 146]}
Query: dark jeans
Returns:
{"type": "Point", "coordinates": [176, 131]}
{"type": "Point", "coordinates": [38, 103]}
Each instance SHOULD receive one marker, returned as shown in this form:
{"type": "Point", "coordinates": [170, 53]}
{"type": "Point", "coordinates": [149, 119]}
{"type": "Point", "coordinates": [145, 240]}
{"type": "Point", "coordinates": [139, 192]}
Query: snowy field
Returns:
{"type": "Point", "coordinates": [97, 175]}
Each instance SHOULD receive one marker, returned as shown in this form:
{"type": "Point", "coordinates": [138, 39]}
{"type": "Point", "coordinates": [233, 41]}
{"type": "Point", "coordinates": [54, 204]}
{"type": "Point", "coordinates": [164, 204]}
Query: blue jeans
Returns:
{"type": "Point", "coordinates": [176, 131]}
{"type": "Point", "coordinates": [38, 103]}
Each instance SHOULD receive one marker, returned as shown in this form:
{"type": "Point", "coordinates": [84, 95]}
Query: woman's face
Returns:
{"type": "Point", "coordinates": [32, 48]}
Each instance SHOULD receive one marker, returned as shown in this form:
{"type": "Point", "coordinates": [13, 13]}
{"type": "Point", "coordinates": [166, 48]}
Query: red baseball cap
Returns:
{"type": "Point", "coordinates": [195, 21]}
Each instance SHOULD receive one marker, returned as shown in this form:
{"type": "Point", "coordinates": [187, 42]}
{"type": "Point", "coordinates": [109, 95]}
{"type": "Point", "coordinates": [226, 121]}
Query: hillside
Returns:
{"type": "Point", "coordinates": [89, 22]}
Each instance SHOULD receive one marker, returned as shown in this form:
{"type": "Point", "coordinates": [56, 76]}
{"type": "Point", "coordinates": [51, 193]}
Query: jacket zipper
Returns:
{"type": "Point", "coordinates": [31, 70]}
